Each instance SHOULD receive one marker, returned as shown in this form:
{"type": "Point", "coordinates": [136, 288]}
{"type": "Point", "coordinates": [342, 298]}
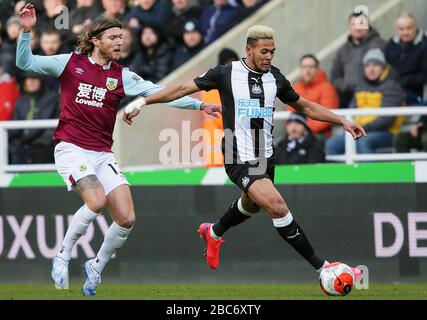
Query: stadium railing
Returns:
{"type": "Point", "coordinates": [349, 157]}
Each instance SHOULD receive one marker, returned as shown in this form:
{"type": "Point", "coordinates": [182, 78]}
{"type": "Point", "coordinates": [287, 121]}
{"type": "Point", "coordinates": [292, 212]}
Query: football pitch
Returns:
{"type": "Point", "coordinates": [376, 291]}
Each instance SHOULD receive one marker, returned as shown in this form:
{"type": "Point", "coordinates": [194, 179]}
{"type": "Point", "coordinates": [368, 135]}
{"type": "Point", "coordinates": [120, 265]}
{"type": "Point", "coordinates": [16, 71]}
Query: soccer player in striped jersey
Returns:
{"type": "Point", "coordinates": [248, 89]}
{"type": "Point", "coordinates": [92, 85]}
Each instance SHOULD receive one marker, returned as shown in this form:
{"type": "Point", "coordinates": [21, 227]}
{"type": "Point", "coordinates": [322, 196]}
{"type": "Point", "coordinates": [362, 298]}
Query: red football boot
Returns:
{"type": "Point", "coordinates": [212, 246]}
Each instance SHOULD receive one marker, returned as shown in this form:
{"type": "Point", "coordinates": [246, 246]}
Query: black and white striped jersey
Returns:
{"type": "Point", "coordinates": [247, 98]}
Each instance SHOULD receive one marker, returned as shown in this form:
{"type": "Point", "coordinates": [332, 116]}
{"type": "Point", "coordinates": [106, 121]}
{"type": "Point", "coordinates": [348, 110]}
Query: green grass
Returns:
{"type": "Point", "coordinates": [210, 292]}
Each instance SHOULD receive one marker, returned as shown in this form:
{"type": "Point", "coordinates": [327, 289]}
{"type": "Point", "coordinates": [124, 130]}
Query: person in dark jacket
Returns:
{"type": "Point", "coordinates": [378, 88]}
{"type": "Point", "coordinates": [155, 54]}
{"type": "Point", "coordinates": [217, 19]}
{"type": "Point", "coordinates": [33, 145]}
{"type": "Point", "coordinates": [192, 43]}
{"type": "Point", "coordinates": [8, 48]}
{"type": "Point", "coordinates": [116, 9]}
{"type": "Point", "coordinates": [416, 138]}
{"type": "Point", "coordinates": [347, 66]}
{"type": "Point", "coordinates": [247, 7]}
{"type": "Point", "coordinates": [299, 145]}
{"type": "Point", "coordinates": [407, 53]}
{"type": "Point", "coordinates": [52, 11]}
{"type": "Point", "coordinates": [128, 52]}
{"type": "Point", "coordinates": [149, 12]}
{"type": "Point", "coordinates": [182, 12]}
{"type": "Point", "coordinates": [227, 56]}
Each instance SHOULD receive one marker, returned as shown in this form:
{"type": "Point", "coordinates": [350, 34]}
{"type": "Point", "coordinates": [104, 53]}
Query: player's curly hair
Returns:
{"type": "Point", "coordinates": [95, 29]}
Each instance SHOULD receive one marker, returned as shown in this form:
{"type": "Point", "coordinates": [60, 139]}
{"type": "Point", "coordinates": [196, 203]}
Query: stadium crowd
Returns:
{"type": "Point", "coordinates": [367, 71]}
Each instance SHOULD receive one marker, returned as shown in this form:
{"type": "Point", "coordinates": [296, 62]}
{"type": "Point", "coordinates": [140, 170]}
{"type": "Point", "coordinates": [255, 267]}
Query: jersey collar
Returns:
{"type": "Point", "coordinates": [243, 61]}
{"type": "Point", "coordinates": [105, 67]}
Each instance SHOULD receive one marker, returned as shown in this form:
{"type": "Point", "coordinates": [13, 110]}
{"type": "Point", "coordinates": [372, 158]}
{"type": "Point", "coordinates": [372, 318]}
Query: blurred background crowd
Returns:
{"type": "Point", "coordinates": [161, 35]}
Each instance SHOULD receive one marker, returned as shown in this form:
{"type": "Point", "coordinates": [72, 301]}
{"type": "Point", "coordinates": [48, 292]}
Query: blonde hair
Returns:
{"type": "Point", "coordinates": [258, 32]}
{"type": "Point", "coordinates": [95, 29]}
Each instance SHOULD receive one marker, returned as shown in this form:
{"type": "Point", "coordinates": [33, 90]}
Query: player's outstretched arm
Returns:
{"type": "Point", "coordinates": [25, 60]}
{"type": "Point", "coordinates": [318, 112]}
{"type": "Point", "coordinates": [167, 94]}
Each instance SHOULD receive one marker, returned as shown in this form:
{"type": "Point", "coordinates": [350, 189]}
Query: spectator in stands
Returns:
{"type": "Point", "coordinates": [52, 10]}
{"type": "Point", "coordinates": [18, 6]}
{"type": "Point", "coordinates": [33, 145]}
{"type": "Point", "coordinates": [379, 88]}
{"type": "Point", "coordinates": [83, 14]}
{"type": "Point", "coordinates": [247, 8]}
{"type": "Point", "coordinates": [156, 55]}
{"type": "Point", "coordinates": [217, 19]}
{"type": "Point", "coordinates": [9, 93]}
{"type": "Point", "coordinates": [299, 144]}
{"type": "Point", "coordinates": [129, 56]}
{"type": "Point", "coordinates": [192, 43]}
{"type": "Point", "coordinates": [407, 52]}
{"type": "Point", "coordinates": [6, 11]}
{"type": "Point", "coordinates": [116, 9]}
{"type": "Point", "coordinates": [8, 51]}
{"type": "Point", "coordinates": [182, 12]}
{"type": "Point", "coordinates": [227, 56]}
{"type": "Point", "coordinates": [149, 12]}
{"type": "Point", "coordinates": [347, 67]}
{"type": "Point", "coordinates": [416, 138]}
{"type": "Point", "coordinates": [51, 44]}
{"type": "Point", "coordinates": [314, 86]}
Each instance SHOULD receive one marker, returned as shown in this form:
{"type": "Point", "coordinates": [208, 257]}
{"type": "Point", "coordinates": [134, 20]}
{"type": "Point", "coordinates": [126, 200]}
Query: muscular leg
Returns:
{"type": "Point", "coordinates": [92, 193]}
{"type": "Point", "coordinates": [240, 210]}
{"type": "Point", "coordinates": [264, 194]}
{"type": "Point", "coordinates": [120, 206]}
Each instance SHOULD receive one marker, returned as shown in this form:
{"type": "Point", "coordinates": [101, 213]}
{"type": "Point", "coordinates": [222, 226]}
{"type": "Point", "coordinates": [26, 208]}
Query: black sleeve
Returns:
{"type": "Point", "coordinates": [209, 80]}
{"type": "Point", "coordinates": [285, 92]}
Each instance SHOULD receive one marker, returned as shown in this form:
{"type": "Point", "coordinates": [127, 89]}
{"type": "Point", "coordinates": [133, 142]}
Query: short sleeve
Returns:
{"type": "Point", "coordinates": [209, 80]}
{"type": "Point", "coordinates": [287, 93]}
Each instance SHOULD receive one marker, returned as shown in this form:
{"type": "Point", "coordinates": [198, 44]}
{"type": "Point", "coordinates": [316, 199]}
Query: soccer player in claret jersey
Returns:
{"type": "Point", "coordinates": [248, 89]}
{"type": "Point", "coordinates": [92, 84]}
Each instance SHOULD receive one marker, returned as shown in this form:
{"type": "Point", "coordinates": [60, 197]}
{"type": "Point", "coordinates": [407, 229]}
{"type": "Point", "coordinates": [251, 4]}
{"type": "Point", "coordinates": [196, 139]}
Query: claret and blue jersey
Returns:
{"type": "Point", "coordinates": [90, 94]}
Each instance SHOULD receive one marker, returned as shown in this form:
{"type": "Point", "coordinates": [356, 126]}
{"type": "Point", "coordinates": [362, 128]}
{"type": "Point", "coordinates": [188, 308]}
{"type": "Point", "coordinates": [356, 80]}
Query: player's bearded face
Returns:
{"type": "Point", "coordinates": [110, 44]}
{"type": "Point", "coordinates": [262, 54]}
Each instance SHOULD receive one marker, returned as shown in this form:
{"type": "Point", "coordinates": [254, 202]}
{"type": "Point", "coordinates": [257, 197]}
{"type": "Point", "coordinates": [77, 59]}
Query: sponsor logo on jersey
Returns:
{"type": "Point", "coordinates": [250, 108]}
{"type": "Point", "coordinates": [111, 83]}
{"type": "Point", "coordinates": [90, 95]}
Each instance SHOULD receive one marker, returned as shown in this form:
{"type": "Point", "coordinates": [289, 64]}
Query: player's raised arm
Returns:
{"type": "Point", "coordinates": [150, 93]}
{"type": "Point", "coordinates": [46, 65]}
{"type": "Point", "coordinates": [318, 112]}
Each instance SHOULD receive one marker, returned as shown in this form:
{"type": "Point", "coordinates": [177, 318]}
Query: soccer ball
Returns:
{"type": "Point", "coordinates": [336, 279]}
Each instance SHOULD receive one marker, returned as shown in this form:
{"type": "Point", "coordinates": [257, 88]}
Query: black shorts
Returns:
{"type": "Point", "coordinates": [241, 176]}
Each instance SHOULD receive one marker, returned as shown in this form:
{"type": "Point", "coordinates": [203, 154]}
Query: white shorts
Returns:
{"type": "Point", "coordinates": [74, 163]}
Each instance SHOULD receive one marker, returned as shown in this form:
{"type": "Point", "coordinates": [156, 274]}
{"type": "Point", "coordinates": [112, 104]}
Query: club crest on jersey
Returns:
{"type": "Point", "coordinates": [83, 167]}
{"type": "Point", "coordinates": [256, 89]}
{"type": "Point", "coordinates": [111, 83]}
